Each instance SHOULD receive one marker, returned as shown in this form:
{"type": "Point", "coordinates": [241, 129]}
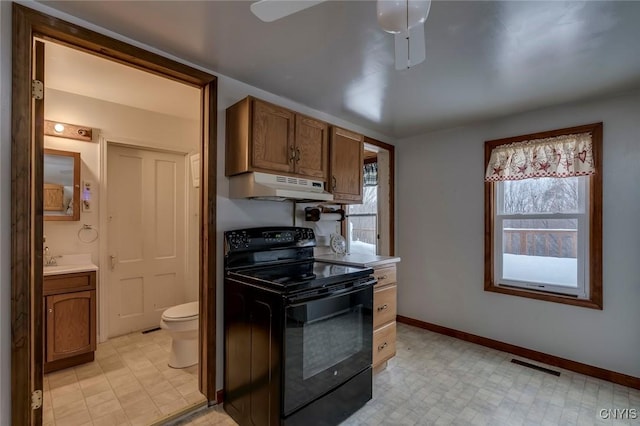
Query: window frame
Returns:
{"type": "Point", "coordinates": [593, 245]}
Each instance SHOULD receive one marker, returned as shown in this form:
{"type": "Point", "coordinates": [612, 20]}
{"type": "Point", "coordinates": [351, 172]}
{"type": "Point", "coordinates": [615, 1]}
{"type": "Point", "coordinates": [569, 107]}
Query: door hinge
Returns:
{"type": "Point", "coordinates": [37, 89]}
{"type": "Point", "coordinates": [36, 399]}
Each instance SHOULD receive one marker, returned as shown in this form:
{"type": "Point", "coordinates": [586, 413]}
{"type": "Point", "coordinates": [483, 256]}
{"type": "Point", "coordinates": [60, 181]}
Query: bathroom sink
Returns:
{"type": "Point", "coordinates": [70, 263]}
{"type": "Point", "coordinates": [68, 269]}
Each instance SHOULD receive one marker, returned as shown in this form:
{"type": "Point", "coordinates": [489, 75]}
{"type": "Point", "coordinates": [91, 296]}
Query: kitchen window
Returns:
{"type": "Point", "coordinates": [543, 216]}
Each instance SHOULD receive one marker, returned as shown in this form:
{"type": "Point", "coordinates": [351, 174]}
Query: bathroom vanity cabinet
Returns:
{"type": "Point", "coordinates": [70, 319]}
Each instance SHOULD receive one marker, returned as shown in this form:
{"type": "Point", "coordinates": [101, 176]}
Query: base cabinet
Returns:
{"type": "Point", "coordinates": [70, 320]}
{"type": "Point", "coordinates": [384, 315]}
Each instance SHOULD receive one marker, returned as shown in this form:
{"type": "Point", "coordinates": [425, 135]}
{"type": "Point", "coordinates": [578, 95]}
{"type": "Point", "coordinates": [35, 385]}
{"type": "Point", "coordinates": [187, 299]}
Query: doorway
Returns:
{"type": "Point", "coordinates": [369, 227]}
{"type": "Point", "coordinates": [27, 196]}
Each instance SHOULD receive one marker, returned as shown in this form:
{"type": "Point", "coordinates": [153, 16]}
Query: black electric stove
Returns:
{"type": "Point", "coordinates": [298, 332]}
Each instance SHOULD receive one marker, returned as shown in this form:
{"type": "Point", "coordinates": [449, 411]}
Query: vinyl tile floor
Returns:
{"type": "Point", "coordinates": [439, 380]}
{"type": "Point", "coordinates": [129, 383]}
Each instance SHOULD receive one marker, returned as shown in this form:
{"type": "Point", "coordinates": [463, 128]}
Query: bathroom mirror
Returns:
{"type": "Point", "coordinates": [61, 195]}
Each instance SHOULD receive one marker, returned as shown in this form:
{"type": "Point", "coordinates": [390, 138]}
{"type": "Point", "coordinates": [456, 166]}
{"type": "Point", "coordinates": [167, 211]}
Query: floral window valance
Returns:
{"type": "Point", "coordinates": [560, 156]}
{"type": "Point", "coordinates": [370, 174]}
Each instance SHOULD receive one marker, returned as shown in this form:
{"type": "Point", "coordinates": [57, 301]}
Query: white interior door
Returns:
{"type": "Point", "coordinates": [147, 199]}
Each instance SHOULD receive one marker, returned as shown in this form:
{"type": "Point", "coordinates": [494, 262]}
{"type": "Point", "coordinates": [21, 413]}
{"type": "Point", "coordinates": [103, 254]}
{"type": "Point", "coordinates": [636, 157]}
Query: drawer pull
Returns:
{"type": "Point", "coordinates": [50, 310]}
{"type": "Point", "coordinates": [382, 346]}
{"type": "Point", "coordinates": [384, 277]}
{"type": "Point", "coordinates": [383, 307]}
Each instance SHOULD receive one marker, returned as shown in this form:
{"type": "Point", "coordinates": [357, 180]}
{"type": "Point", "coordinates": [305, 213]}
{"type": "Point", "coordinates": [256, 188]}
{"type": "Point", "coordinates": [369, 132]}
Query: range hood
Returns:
{"type": "Point", "coordinates": [266, 186]}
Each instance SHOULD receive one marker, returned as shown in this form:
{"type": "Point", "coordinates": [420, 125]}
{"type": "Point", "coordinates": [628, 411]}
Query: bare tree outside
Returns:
{"type": "Point", "coordinates": [541, 236]}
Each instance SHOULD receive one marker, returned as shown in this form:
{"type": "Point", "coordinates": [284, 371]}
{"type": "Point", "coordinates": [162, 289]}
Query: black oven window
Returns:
{"type": "Point", "coordinates": [329, 340]}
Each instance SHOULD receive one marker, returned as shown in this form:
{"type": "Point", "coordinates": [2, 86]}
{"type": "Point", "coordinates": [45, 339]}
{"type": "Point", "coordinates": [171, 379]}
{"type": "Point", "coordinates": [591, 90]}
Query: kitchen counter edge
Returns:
{"type": "Point", "coordinates": [362, 260]}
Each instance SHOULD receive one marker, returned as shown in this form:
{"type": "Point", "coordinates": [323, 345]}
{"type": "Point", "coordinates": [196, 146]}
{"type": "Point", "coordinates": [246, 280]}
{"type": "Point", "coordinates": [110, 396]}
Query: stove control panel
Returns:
{"type": "Point", "coordinates": [237, 240]}
{"type": "Point", "coordinates": [266, 238]}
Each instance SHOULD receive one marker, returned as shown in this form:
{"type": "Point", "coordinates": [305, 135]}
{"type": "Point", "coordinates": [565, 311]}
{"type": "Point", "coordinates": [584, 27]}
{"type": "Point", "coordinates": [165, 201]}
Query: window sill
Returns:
{"type": "Point", "coordinates": [556, 298]}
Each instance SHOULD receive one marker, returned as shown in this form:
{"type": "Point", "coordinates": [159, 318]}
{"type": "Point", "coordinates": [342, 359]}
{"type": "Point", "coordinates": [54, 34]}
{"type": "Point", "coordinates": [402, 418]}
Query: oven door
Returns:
{"type": "Point", "coordinates": [327, 341]}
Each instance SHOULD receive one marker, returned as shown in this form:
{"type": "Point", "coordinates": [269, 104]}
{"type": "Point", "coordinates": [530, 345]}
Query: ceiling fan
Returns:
{"type": "Point", "coordinates": [404, 18]}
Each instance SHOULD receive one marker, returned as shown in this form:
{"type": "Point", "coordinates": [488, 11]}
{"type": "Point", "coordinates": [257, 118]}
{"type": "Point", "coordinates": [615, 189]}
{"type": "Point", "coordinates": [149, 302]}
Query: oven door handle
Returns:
{"type": "Point", "coordinates": [303, 299]}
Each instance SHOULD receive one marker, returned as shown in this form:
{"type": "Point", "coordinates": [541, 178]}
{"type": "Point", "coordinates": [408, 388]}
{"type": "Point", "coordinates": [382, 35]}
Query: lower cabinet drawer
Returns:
{"type": "Point", "coordinates": [384, 343]}
{"type": "Point", "coordinates": [384, 305]}
{"type": "Point", "coordinates": [385, 275]}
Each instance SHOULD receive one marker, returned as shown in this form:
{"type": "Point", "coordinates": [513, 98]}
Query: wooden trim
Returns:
{"type": "Point", "coordinates": [70, 131]}
{"type": "Point", "coordinates": [207, 366]}
{"type": "Point", "coordinates": [26, 194]}
{"type": "Point", "coordinates": [595, 300]}
{"type": "Point", "coordinates": [220, 396]}
{"type": "Point", "coordinates": [567, 364]}
{"type": "Point", "coordinates": [26, 223]}
{"type": "Point", "coordinates": [392, 189]}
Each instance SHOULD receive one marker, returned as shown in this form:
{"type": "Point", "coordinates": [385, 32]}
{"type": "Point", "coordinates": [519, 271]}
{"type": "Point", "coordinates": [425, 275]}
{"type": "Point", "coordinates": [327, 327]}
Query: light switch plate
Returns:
{"type": "Point", "coordinates": [85, 196]}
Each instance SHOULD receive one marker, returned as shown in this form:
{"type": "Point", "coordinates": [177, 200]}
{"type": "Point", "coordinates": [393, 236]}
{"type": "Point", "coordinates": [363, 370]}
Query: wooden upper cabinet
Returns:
{"type": "Point", "coordinates": [312, 147]}
{"type": "Point", "coordinates": [264, 137]}
{"type": "Point", "coordinates": [347, 152]}
{"type": "Point", "coordinates": [272, 137]}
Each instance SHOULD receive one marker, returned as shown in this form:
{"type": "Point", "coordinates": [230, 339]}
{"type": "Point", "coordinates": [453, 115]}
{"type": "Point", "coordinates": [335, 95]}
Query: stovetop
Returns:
{"type": "Point", "coordinates": [295, 276]}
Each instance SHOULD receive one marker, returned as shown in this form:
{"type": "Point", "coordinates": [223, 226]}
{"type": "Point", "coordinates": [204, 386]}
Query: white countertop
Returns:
{"type": "Point", "coordinates": [357, 259]}
{"type": "Point", "coordinates": [69, 264]}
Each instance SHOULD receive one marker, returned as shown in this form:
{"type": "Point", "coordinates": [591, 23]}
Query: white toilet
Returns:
{"type": "Point", "coordinates": [181, 322]}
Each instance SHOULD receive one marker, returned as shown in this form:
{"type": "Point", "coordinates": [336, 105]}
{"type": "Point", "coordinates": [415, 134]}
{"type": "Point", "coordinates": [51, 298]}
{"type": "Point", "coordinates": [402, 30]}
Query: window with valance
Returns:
{"type": "Point", "coordinates": [543, 216]}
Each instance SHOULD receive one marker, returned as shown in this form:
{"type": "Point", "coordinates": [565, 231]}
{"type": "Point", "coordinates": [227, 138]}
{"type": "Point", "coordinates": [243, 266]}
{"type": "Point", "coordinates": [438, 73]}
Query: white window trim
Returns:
{"type": "Point", "coordinates": [582, 291]}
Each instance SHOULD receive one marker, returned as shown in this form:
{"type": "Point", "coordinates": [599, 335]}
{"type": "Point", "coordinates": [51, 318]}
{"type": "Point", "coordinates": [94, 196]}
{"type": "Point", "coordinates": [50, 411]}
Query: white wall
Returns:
{"type": "Point", "coordinates": [440, 209]}
{"type": "Point", "coordinates": [5, 212]}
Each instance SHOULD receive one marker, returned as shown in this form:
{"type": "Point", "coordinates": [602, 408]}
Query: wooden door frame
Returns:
{"type": "Point", "coordinates": [27, 193]}
{"type": "Point", "coordinates": [392, 190]}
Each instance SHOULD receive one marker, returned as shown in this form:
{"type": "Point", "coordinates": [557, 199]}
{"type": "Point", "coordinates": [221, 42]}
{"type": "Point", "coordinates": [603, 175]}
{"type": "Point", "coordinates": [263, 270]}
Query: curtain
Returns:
{"type": "Point", "coordinates": [370, 174]}
{"type": "Point", "coordinates": [560, 156]}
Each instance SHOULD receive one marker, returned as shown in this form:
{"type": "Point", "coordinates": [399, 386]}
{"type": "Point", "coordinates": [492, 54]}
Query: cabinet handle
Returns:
{"type": "Point", "coordinates": [335, 182]}
{"type": "Point", "coordinates": [293, 154]}
{"type": "Point", "coordinates": [113, 262]}
{"type": "Point", "coordinates": [297, 155]}
{"type": "Point", "coordinates": [382, 346]}
{"type": "Point", "coordinates": [50, 310]}
{"type": "Point", "coordinates": [383, 277]}
{"type": "Point", "coordinates": [383, 307]}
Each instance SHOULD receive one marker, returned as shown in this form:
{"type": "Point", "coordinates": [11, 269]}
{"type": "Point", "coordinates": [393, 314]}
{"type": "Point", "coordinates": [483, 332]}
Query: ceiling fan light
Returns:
{"type": "Point", "coordinates": [395, 16]}
{"type": "Point", "coordinates": [392, 15]}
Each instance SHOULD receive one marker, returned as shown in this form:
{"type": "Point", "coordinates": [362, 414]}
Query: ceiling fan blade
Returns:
{"type": "Point", "coordinates": [410, 47]}
{"type": "Point", "coordinates": [271, 10]}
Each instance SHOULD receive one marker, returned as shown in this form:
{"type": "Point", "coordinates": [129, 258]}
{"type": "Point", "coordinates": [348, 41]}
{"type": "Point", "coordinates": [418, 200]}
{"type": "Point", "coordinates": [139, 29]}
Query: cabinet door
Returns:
{"type": "Point", "coordinates": [70, 324]}
{"type": "Point", "coordinates": [312, 150]}
{"type": "Point", "coordinates": [272, 138]}
{"type": "Point", "coordinates": [347, 152]}
{"type": "Point", "coordinates": [53, 199]}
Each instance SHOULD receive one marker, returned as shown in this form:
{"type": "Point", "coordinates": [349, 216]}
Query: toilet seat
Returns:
{"type": "Point", "coordinates": [185, 312]}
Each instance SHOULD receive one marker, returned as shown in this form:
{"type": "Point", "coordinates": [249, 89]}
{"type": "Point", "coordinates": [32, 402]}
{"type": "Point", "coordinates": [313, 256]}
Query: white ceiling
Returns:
{"type": "Point", "coordinates": [485, 59]}
{"type": "Point", "coordinates": [76, 72]}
